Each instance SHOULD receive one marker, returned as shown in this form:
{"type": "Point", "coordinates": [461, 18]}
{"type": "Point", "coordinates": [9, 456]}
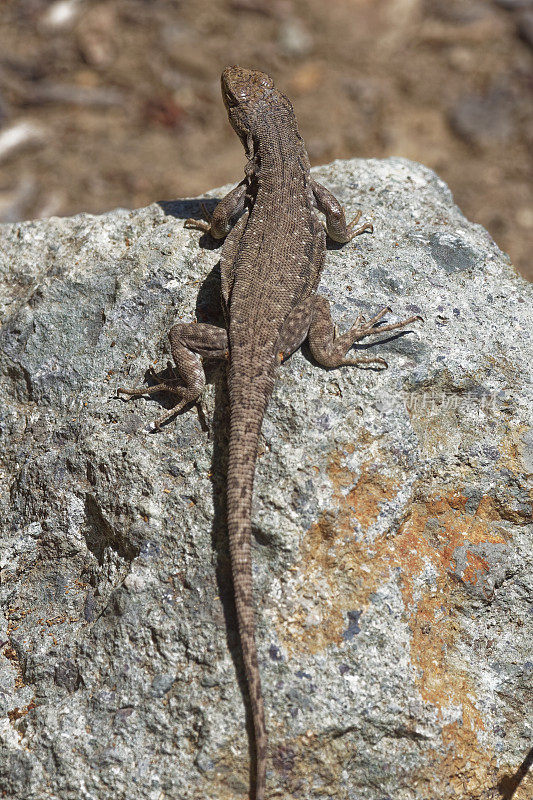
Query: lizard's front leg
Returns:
{"type": "Point", "coordinates": [227, 210]}
{"type": "Point", "coordinates": [188, 344]}
{"type": "Point", "coordinates": [330, 350]}
{"type": "Point", "coordinates": [336, 225]}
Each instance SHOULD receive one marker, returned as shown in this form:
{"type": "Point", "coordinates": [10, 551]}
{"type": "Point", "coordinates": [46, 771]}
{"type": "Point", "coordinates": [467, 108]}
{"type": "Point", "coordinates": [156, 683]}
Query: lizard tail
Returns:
{"type": "Point", "coordinates": [245, 426]}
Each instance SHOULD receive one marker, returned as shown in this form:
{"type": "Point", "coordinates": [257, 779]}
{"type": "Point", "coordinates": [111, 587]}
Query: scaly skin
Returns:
{"type": "Point", "coordinates": [271, 263]}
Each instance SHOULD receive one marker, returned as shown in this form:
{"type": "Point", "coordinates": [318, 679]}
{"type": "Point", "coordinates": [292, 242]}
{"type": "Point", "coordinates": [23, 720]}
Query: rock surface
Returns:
{"type": "Point", "coordinates": [392, 552]}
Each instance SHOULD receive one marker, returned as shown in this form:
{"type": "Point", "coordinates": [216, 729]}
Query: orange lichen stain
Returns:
{"type": "Point", "coordinates": [18, 713]}
{"type": "Point", "coordinates": [475, 565]}
{"type": "Point", "coordinates": [488, 510]}
{"type": "Point", "coordinates": [459, 770]}
{"type": "Point", "coordinates": [334, 568]}
{"type": "Point", "coordinates": [372, 488]}
{"type": "Point", "coordinates": [436, 526]}
{"type": "Point", "coordinates": [337, 573]}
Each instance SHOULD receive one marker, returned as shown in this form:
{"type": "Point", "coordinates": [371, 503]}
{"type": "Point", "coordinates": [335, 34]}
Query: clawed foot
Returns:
{"type": "Point", "coordinates": [185, 395]}
{"type": "Point", "coordinates": [360, 330]}
{"type": "Point", "coordinates": [162, 386]}
{"type": "Point", "coordinates": [200, 224]}
{"type": "Point", "coordinates": [366, 227]}
{"type": "Point", "coordinates": [156, 424]}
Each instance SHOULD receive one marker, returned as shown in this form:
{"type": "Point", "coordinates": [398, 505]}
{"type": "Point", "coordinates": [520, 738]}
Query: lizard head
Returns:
{"type": "Point", "coordinates": [243, 91]}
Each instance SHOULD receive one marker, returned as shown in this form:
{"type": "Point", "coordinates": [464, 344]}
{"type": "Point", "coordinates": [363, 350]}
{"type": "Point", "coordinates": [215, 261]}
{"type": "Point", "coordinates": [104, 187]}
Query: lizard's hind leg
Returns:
{"type": "Point", "coordinates": [330, 350]}
{"type": "Point", "coordinates": [189, 343]}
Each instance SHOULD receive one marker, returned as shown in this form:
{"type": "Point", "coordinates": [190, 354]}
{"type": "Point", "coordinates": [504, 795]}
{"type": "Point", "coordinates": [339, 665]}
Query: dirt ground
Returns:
{"type": "Point", "coordinates": [117, 103]}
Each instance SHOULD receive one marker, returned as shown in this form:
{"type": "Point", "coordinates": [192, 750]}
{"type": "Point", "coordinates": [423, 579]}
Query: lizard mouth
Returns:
{"type": "Point", "coordinates": [229, 101]}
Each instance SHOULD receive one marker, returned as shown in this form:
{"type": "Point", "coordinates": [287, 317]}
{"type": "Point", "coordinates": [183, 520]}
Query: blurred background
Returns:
{"type": "Point", "coordinates": [108, 103]}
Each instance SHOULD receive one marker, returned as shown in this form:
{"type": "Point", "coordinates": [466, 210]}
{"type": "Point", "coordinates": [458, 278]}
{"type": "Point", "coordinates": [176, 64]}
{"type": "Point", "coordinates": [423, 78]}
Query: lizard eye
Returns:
{"type": "Point", "coordinates": [264, 80]}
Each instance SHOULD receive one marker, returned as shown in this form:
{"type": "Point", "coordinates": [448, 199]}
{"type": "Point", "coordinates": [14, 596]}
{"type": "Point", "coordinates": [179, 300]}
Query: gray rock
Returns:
{"type": "Point", "coordinates": [392, 519]}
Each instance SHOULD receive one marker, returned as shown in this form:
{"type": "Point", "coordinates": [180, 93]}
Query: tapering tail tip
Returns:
{"type": "Point", "coordinates": [260, 781]}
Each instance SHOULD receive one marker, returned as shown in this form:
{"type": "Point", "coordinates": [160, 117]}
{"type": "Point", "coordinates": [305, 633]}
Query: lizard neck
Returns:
{"type": "Point", "coordinates": [280, 154]}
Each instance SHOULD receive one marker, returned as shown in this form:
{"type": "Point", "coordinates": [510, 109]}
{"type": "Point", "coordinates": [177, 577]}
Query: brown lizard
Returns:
{"type": "Point", "coordinates": [270, 267]}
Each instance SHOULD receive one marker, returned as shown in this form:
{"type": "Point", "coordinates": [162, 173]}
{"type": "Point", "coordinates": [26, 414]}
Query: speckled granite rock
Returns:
{"type": "Point", "coordinates": [393, 520]}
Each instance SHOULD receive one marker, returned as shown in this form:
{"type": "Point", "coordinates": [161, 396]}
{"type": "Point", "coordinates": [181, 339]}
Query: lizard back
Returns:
{"type": "Point", "coordinates": [271, 262]}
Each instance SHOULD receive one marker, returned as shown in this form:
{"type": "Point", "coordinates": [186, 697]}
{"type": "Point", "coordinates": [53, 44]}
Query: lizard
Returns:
{"type": "Point", "coordinates": [270, 267]}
